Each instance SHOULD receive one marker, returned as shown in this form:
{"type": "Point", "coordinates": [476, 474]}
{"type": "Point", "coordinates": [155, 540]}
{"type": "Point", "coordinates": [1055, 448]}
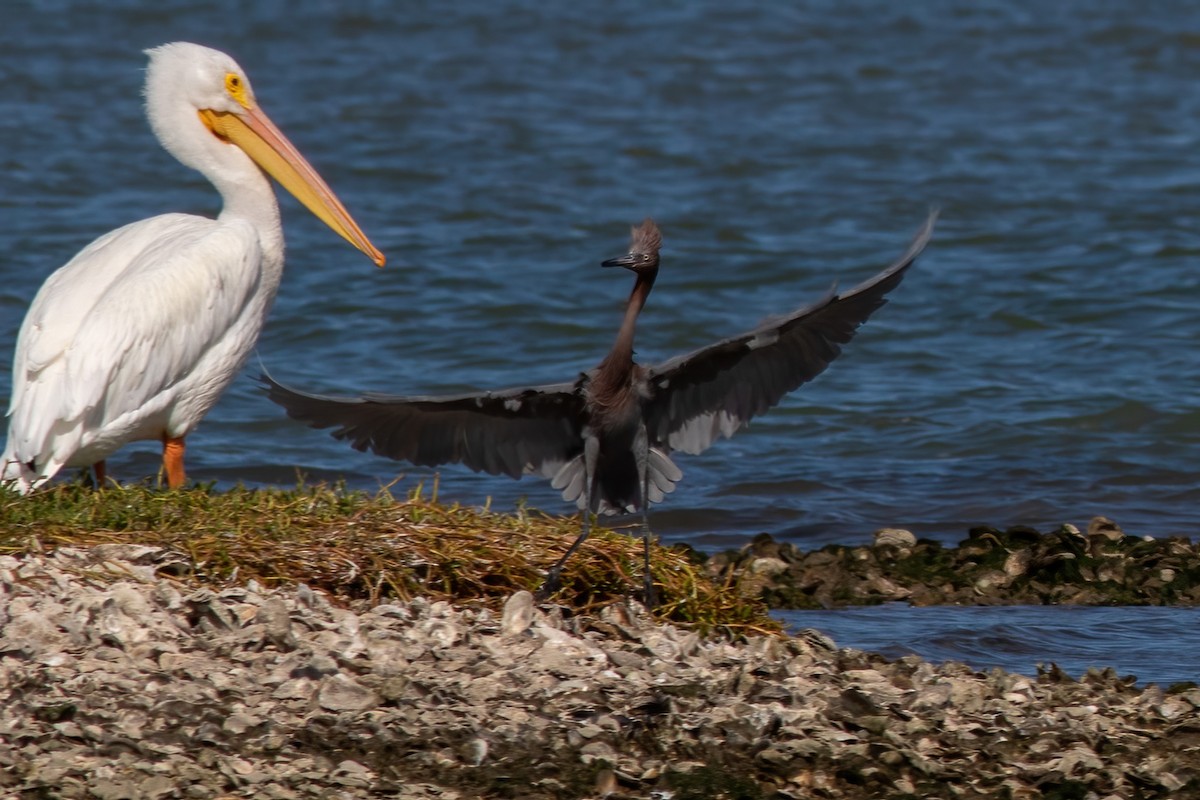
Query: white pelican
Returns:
{"type": "Point", "coordinates": [137, 335]}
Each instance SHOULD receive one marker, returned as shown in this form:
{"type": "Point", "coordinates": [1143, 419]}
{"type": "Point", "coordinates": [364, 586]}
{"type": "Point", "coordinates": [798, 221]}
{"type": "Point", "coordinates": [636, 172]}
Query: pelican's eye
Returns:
{"type": "Point", "coordinates": [237, 89]}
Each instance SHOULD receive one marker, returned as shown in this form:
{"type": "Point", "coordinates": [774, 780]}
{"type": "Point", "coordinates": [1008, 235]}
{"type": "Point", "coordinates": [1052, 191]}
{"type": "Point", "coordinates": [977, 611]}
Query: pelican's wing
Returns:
{"type": "Point", "coordinates": [510, 432]}
{"type": "Point", "coordinates": [113, 330]}
{"type": "Point", "coordinates": [712, 392]}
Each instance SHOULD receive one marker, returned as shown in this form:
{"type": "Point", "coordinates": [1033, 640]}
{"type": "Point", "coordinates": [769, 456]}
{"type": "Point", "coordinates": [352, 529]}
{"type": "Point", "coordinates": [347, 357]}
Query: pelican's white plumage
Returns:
{"type": "Point", "coordinates": [137, 336]}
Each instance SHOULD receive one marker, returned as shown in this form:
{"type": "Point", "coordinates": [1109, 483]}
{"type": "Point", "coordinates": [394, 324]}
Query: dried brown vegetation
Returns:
{"type": "Point", "coordinates": [363, 548]}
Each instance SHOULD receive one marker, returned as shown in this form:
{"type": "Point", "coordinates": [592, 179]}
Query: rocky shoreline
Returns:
{"type": "Point", "coordinates": [120, 681]}
{"type": "Point", "coordinates": [1017, 566]}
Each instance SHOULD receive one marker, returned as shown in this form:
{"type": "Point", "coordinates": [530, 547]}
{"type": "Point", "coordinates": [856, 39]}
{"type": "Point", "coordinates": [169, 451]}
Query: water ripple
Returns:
{"type": "Point", "coordinates": [1155, 644]}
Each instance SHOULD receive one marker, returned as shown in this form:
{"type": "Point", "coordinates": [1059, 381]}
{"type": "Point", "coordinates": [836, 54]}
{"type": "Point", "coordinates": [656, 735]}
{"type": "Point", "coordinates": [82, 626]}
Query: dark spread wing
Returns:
{"type": "Point", "coordinates": [714, 391]}
{"type": "Point", "coordinates": [510, 432]}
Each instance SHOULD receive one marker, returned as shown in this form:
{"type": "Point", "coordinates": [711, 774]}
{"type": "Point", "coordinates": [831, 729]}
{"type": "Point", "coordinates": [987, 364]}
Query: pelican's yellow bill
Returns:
{"type": "Point", "coordinates": [258, 138]}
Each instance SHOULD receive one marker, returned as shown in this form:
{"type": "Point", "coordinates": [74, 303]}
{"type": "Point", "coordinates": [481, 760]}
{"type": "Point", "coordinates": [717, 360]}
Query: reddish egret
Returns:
{"type": "Point", "coordinates": [605, 439]}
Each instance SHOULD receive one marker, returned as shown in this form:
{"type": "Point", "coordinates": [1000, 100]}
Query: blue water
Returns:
{"type": "Point", "coordinates": [1154, 644]}
{"type": "Point", "coordinates": [1036, 367]}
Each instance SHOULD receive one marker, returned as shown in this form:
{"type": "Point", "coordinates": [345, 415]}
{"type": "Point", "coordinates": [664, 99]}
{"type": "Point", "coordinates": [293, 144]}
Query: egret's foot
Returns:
{"type": "Point", "coordinates": [647, 575]}
{"type": "Point", "coordinates": [648, 598]}
{"type": "Point", "coordinates": [549, 586]}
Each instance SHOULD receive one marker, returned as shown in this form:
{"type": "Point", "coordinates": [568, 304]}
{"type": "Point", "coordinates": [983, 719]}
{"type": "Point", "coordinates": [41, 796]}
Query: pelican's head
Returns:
{"type": "Point", "coordinates": [204, 78]}
{"type": "Point", "coordinates": [645, 241]}
{"type": "Point", "coordinates": [203, 110]}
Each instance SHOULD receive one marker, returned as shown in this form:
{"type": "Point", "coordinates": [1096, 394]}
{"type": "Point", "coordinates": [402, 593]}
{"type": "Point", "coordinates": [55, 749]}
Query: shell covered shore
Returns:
{"type": "Point", "coordinates": [122, 680]}
{"type": "Point", "coordinates": [1101, 565]}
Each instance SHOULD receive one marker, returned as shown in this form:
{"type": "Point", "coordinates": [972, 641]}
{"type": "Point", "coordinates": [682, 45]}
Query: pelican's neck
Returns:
{"type": "Point", "coordinates": [245, 190]}
{"type": "Point", "coordinates": [249, 196]}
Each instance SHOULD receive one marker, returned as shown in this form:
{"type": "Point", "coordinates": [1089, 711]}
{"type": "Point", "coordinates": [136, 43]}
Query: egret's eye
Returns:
{"type": "Point", "coordinates": [236, 88]}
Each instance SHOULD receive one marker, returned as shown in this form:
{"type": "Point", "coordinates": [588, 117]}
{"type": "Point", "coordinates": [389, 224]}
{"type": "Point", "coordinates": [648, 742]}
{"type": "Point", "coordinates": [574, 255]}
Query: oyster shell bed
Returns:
{"type": "Point", "coordinates": [1017, 566]}
{"type": "Point", "coordinates": [121, 682]}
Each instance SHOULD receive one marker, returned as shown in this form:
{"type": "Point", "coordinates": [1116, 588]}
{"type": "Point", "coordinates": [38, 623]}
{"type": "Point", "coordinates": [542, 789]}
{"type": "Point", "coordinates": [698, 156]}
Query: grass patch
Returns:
{"type": "Point", "coordinates": [362, 547]}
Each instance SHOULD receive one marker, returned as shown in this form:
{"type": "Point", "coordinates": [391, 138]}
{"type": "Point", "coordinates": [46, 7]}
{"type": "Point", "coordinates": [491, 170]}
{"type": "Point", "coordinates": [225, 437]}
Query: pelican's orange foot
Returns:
{"type": "Point", "coordinates": [173, 461]}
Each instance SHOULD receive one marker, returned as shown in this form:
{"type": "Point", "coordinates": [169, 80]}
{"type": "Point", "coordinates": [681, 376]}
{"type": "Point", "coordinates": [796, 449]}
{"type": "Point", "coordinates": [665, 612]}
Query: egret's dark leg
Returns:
{"type": "Point", "coordinates": [554, 574]}
{"type": "Point", "coordinates": [591, 454]}
{"type": "Point", "coordinates": [641, 445]}
{"type": "Point", "coordinates": [99, 473]}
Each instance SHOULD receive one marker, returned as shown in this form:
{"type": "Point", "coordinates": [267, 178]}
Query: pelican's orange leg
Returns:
{"type": "Point", "coordinates": [173, 461]}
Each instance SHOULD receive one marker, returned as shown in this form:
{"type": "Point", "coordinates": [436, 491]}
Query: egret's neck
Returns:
{"type": "Point", "coordinates": [619, 363]}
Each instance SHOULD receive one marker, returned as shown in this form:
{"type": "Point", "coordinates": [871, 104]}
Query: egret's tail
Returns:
{"type": "Point", "coordinates": [660, 470]}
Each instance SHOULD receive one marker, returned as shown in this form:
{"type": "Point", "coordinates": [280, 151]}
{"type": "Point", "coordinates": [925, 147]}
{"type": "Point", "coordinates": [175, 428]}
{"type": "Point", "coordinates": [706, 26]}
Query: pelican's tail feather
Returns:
{"type": "Point", "coordinates": [16, 476]}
